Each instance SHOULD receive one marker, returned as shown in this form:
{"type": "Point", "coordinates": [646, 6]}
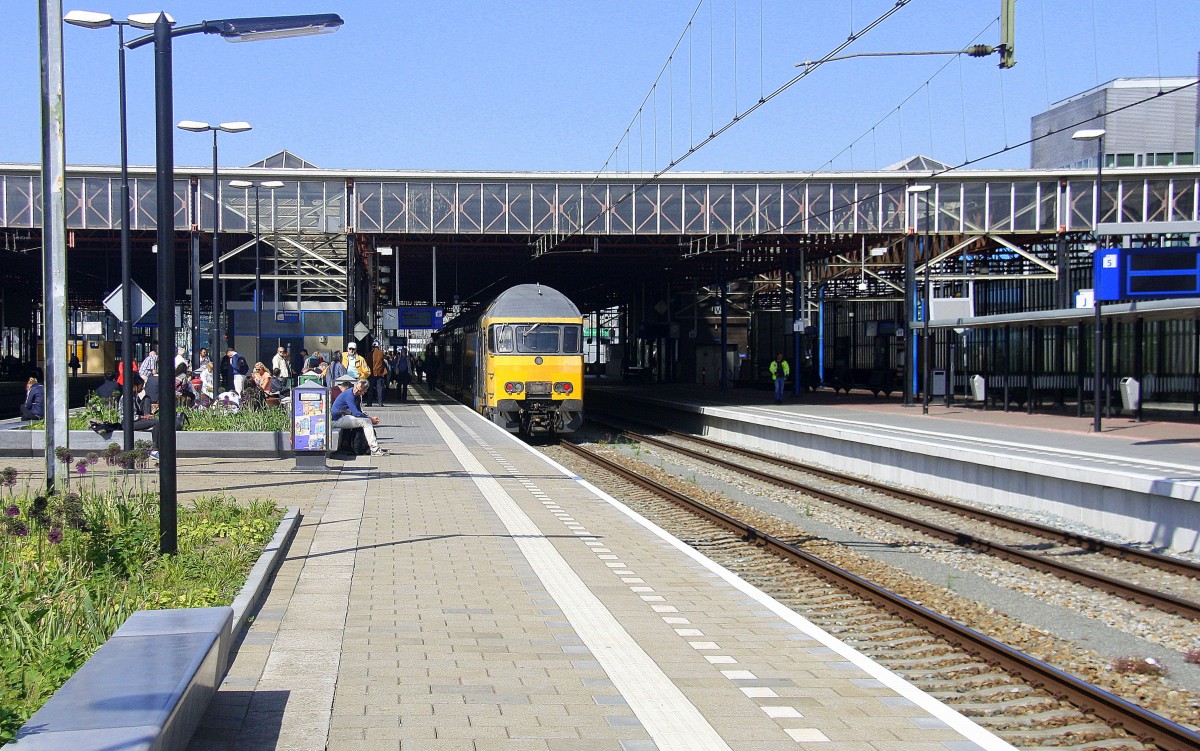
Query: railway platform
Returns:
{"type": "Point", "coordinates": [467, 593]}
{"type": "Point", "coordinates": [1137, 480]}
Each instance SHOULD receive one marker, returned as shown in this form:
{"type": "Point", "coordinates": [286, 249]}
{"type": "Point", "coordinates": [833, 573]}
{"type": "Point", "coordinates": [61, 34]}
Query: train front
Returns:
{"type": "Point", "coordinates": [537, 374]}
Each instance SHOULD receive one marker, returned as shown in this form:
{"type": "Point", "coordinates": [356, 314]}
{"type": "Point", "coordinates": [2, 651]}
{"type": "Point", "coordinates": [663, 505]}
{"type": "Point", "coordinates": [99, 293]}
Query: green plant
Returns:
{"type": "Point", "coordinates": [272, 418]}
{"type": "Point", "coordinates": [75, 565]}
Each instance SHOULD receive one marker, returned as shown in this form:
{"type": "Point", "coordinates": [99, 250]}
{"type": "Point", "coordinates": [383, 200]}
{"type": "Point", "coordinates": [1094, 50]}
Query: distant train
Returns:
{"type": "Point", "coordinates": [519, 361]}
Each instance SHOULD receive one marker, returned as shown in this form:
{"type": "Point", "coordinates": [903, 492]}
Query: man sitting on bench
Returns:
{"type": "Point", "coordinates": [347, 415]}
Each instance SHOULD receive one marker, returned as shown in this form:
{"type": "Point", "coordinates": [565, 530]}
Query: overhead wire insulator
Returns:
{"type": "Point", "coordinates": [979, 50]}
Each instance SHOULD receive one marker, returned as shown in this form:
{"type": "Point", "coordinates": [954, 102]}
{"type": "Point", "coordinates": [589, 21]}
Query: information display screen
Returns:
{"type": "Point", "coordinates": [1139, 273]}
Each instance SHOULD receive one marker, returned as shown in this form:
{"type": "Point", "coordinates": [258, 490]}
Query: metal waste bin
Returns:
{"type": "Point", "coordinates": [937, 383]}
{"type": "Point", "coordinates": [310, 426]}
{"type": "Point", "coordinates": [978, 388]}
{"type": "Point", "coordinates": [1131, 394]}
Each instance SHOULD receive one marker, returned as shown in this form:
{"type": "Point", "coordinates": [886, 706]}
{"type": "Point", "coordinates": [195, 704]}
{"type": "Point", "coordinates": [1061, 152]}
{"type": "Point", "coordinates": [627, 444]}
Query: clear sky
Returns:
{"type": "Point", "coordinates": [554, 84]}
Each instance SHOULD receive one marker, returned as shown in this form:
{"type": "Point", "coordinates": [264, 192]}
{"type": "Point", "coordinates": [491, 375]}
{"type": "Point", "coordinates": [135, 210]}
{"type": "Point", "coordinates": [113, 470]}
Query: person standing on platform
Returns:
{"type": "Point", "coordinates": [379, 373]}
{"type": "Point", "coordinates": [234, 369]}
{"type": "Point", "coordinates": [283, 363]}
{"type": "Point", "coordinates": [74, 365]}
{"type": "Point", "coordinates": [204, 359]}
{"type": "Point", "coordinates": [346, 414]}
{"type": "Point", "coordinates": [432, 364]}
{"type": "Point", "coordinates": [34, 406]}
{"type": "Point", "coordinates": [121, 370]}
{"type": "Point", "coordinates": [402, 373]}
{"type": "Point", "coordinates": [150, 364]}
{"type": "Point", "coordinates": [355, 364]}
{"type": "Point", "coordinates": [780, 370]}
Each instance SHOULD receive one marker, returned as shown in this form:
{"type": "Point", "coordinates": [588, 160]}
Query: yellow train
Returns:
{"type": "Point", "coordinates": [519, 360]}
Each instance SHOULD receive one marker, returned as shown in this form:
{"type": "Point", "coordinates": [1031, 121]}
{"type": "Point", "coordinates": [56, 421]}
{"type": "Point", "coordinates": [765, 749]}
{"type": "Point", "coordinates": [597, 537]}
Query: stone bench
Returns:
{"type": "Point", "coordinates": [145, 689]}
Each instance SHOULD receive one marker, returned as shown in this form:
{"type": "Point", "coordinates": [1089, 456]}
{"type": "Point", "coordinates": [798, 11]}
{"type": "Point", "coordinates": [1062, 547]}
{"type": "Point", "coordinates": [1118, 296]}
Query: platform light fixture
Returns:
{"type": "Point", "coordinates": [1097, 135]}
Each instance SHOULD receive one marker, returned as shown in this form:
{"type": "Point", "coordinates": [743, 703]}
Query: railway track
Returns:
{"type": "Point", "coordinates": [1021, 698]}
{"type": "Point", "coordinates": [1018, 550]}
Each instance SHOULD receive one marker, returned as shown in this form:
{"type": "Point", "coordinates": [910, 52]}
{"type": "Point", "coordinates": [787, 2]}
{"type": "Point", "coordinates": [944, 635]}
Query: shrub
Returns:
{"type": "Point", "coordinates": [1139, 666]}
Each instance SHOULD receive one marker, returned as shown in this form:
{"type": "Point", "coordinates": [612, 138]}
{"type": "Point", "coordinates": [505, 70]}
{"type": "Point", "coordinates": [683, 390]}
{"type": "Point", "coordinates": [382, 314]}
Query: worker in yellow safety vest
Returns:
{"type": "Point", "coordinates": [780, 370]}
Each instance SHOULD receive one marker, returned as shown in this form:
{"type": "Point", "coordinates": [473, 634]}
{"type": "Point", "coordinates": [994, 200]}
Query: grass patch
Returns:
{"type": "Point", "coordinates": [76, 563]}
{"type": "Point", "coordinates": [271, 418]}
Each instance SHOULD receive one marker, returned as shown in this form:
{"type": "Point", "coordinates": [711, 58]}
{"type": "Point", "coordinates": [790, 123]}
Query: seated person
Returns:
{"type": "Point", "coordinates": [184, 394]}
{"type": "Point", "coordinates": [34, 406]}
{"type": "Point", "coordinates": [276, 383]}
{"type": "Point", "coordinates": [143, 418]}
{"type": "Point", "coordinates": [313, 373]}
{"type": "Point", "coordinates": [110, 389]}
{"type": "Point", "coordinates": [347, 414]}
{"type": "Point", "coordinates": [261, 377]}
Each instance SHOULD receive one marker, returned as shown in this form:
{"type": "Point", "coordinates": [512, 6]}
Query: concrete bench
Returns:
{"type": "Point", "coordinates": [145, 689]}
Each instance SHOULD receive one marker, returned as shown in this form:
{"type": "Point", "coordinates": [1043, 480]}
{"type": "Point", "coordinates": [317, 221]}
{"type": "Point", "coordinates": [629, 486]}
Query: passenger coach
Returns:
{"type": "Point", "coordinates": [519, 360]}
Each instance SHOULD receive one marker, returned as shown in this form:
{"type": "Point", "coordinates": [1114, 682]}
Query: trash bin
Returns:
{"type": "Point", "coordinates": [1131, 394]}
{"type": "Point", "coordinates": [978, 388]}
{"type": "Point", "coordinates": [310, 427]}
{"type": "Point", "coordinates": [937, 383]}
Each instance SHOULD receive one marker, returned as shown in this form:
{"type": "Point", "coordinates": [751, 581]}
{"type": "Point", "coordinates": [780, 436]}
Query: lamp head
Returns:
{"type": "Point", "coordinates": [1088, 134]}
{"type": "Point", "coordinates": [193, 125]}
{"type": "Point", "coordinates": [919, 188]}
{"type": "Point", "coordinates": [235, 127]}
{"type": "Point", "coordinates": [241, 184]}
{"type": "Point", "coordinates": [273, 27]}
{"type": "Point", "coordinates": [146, 20]}
{"type": "Point", "coordinates": [272, 184]}
{"type": "Point", "coordinates": [88, 19]}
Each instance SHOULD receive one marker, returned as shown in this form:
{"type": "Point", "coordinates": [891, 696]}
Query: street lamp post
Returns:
{"type": "Point", "coordinates": [917, 191]}
{"type": "Point", "coordinates": [214, 344]}
{"type": "Point", "coordinates": [269, 185]}
{"type": "Point", "coordinates": [1097, 135]}
{"type": "Point", "coordinates": [233, 29]}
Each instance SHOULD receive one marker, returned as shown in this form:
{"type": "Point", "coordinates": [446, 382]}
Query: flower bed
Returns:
{"type": "Point", "coordinates": [74, 564]}
{"type": "Point", "coordinates": [219, 417]}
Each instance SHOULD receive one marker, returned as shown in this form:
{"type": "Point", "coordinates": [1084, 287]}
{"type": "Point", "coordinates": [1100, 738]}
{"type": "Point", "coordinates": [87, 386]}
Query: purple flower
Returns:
{"type": "Point", "coordinates": [19, 530]}
{"type": "Point", "coordinates": [8, 477]}
{"type": "Point", "coordinates": [55, 536]}
{"type": "Point", "coordinates": [81, 467]}
{"type": "Point", "coordinates": [92, 457]}
{"type": "Point", "coordinates": [12, 510]}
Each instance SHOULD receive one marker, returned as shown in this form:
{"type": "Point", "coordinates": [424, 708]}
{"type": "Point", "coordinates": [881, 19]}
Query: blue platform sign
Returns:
{"type": "Point", "coordinates": [1146, 273]}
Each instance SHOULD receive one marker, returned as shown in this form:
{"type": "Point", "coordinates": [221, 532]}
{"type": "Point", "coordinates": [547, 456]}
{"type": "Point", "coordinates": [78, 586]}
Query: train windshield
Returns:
{"type": "Point", "coordinates": [536, 338]}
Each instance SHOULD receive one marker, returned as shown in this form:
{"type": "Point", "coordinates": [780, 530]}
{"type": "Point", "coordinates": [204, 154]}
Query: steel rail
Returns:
{"type": "Point", "coordinates": [1139, 722]}
{"type": "Point", "coordinates": [1091, 544]}
{"type": "Point", "coordinates": [1144, 595]}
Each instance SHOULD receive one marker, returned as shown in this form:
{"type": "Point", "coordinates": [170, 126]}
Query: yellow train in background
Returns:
{"type": "Point", "coordinates": [519, 360]}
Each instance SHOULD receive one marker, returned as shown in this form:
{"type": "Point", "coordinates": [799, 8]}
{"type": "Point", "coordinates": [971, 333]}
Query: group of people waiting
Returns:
{"type": "Point", "coordinates": [393, 368]}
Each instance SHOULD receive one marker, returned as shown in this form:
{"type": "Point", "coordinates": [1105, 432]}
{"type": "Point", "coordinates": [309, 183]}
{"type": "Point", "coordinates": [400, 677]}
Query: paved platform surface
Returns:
{"type": "Point", "coordinates": [1167, 436]}
{"type": "Point", "coordinates": [464, 593]}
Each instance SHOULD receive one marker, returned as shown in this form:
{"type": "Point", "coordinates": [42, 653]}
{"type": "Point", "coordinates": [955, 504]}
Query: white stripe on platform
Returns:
{"type": "Point", "coordinates": [673, 722]}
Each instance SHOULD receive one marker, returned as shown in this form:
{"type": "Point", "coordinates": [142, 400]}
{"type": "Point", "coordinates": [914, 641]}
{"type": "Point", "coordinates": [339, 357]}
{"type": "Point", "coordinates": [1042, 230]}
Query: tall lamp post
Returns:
{"type": "Point", "coordinates": [269, 185]}
{"type": "Point", "coordinates": [917, 192]}
{"type": "Point", "coordinates": [232, 29]}
{"type": "Point", "coordinates": [214, 344]}
{"type": "Point", "coordinates": [90, 20]}
{"type": "Point", "coordinates": [1097, 135]}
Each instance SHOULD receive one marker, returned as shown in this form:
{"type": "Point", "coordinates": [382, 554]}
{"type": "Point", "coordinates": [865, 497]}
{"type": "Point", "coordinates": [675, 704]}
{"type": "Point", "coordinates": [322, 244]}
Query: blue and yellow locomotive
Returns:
{"type": "Point", "coordinates": [519, 360]}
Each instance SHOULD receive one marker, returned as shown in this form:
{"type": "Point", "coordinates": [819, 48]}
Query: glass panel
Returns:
{"type": "Point", "coordinates": [923, 207]}
{"type": "Point", "coordinates": [1131, 200]}
{"type": "Point", "coordinates": [571, 339]}
{"type": "Point", "coordinates": [502, 335]}
{"type": "Point", "coordinates": [495, 208]}
{"type": "Point", "coordinates": [145, 191]}
{"type": "Point", "coordinates": [393, 201]}
{"type": "Point", "coordinates": [595, 207]}
{"type": "Point", "coordinates": [73, 202]}
{"type": "Point", "coordinates": [18, 201]}
{"type": "Point", "coordinates": [1025, 207]}
{"type": "Point", "coordinates": [312, 205]}
{"type": "Point", "coordinates": [281, 208]}
{"type": "Point", "coordinates": [867, 207]}
{"type": "Point", "coordinates": [949, 208]}
{"type": "Point", "coordinates": [444, 197]}
{"type": "Point", "coordinates": [818, 207]}
{"type": "Point", "coordinates": [335, 200]}
{"type": "Point", "coordinates": [892, 198]}
{"type": "Point", "coordinates": [96, 201]}
{"type": "Point", "coordinates": [999, 207]}
{"type": "Point", "coordinates": [570, 200]}
{"type": "Point", "coordinates": [470, 207]}
{"type": "Point", "coordinates": [620, 220]}
{"type": "Point", "coordinates": [205, 198]}
{"type": "Point", "coordinates": [420, 207]}
{"type": "Point", "coordinates": [1183, 201]}
{"type": "Point", "coordinates": [646, 209]}
{"type": "Point", "coordinates": [843, 207]}
{"type": "Point", "coordinates": [670, 199]}
{"type": "Point", "coordinates": [695, 209]}
{"type": "Point", "coordinates": [745, 208]}
{"type": "Point", "coordinates": [1157, 197]}
{"type": "Point", "coordinates": [537, 338]}
{"type": "Point", "coordinates": [520, 207]}
{"type": "Point", "coordinates": [794, 209]}
{"type": "Point", "coordinates": [183, 212]}
{"type": "Point", "coordinates": [1048, 212]}
{"type": "Point", "coordinates": [1108, 200]}
{"type": "Point", "coordinates": [720, 213]}
{"type": "Point", "coordinates": [974, 207]}
{"type": "Point", "coordinates": [1079, 198]}
{"type": "Point", "coordinates": [770, 204]}
{"type": "Point", "coordinates": [545, 207]}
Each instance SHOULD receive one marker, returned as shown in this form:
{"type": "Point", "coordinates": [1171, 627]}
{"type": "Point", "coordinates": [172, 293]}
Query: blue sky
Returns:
{"type": "Point", "coordinates": [542, 85]}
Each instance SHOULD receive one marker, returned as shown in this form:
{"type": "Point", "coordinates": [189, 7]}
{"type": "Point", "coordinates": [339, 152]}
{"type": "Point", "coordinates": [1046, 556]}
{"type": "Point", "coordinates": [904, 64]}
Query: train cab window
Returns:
{"type": "Point", "coordinates": [500, 338]}
{"type": "Point", "coordinates": [540, 338]}
{"type": "Point", "coordinates": [571, 336]}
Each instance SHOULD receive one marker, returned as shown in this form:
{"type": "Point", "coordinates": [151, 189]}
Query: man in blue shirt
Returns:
{"type": "Point", "coordinates": [347, 414]}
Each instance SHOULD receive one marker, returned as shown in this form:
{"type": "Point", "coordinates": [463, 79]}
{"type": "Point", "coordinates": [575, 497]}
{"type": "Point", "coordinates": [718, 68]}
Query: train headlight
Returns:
{"type": "Point", "coordinates": [513, 387]}
{"type": "Point", "coordinates": [563, 387]}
